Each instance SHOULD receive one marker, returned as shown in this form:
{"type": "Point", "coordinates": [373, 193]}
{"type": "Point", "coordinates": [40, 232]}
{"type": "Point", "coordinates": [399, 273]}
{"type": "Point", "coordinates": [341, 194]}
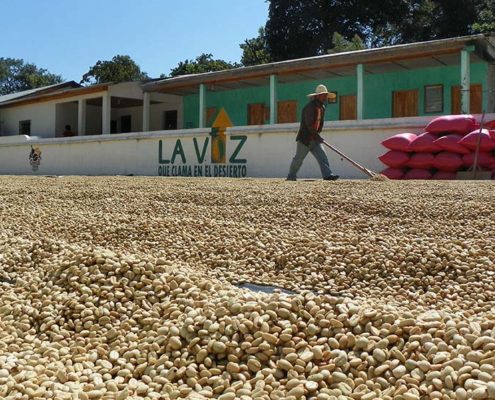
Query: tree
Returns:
{"type": "Point", "coordinates": [485, 17]}
{"type": "Point", "coordinates": [435, 19]}
{"type": "Point", "coordinates": [294, 29]}
{"type": "Point", "coordinates": [255, 51]}
{"type": "Point", "coordinates": [203, 63]}
{"type": "Point", "coordinates": [341, 44]}
{"type": "Point", "coordinates": [304, 28]}
{"type": "Point", "coordinates": [16, 76]}
{"type": "Point", "coordinates": [119, 69]}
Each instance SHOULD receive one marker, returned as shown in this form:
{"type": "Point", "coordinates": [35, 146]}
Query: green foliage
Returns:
{"type": "Point", "coordinates": [119, 69]}
{"type": "Point", "coordinates": [16, 76]}
{"type": "Point", "coordinates": [341, 44]}
{"type": "Point", "coordinates": [435, 19]}
{"type": "Point", "coordinates": [255, 51]}
{"type": "Point", "coordinates": [485, 21]}
{"type": "Point", "coordinates": [203, 63]}
{"type": "Point", "coordinates": [295, 29]}
{"type": "Point", "coordinates": [304, 28]}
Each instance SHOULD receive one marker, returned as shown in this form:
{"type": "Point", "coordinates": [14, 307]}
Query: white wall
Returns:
{"type": "Point", "coordinates": [136, 114]}
{"type": "Point", "coordinates": [46, 122]}
{"type": "Point", "coordinates": [156, 116]}
{"type": "Point", "coordinates": [93, 120]}
{"type": "Point", "coordinates": [2, 123]}
{"type": "Point", "coordinates": [48, 119]}
{"type": "Point", "coordinates": [168, 102]}
{"type": "Point", "coordinates": [267, 151]}
{"type": "Point", "coordinates": [130, 90]}
{"type": "Point", "coordinates": [42, 117]}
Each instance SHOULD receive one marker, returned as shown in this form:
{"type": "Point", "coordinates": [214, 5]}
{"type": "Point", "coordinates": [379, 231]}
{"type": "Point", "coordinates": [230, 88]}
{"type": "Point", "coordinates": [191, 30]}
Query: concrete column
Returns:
{"type": "Point", "coordinates": [465, 78]}
{"type": "Point", "coordinates": [360, 91]}
{"type": "Point", "coordinates": [106, 113]}
{"type": "Point", "coordinates": [146, 112]}
{"type": "Point", "coordinates": [81, 117]}
{"type": "Point", "coordinates": [202, 105]}
{"type": "Point", "coordinates": [273, 99]}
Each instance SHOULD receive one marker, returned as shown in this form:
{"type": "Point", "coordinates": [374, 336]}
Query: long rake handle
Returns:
{"type": "Point", "coordinates": [476, 153]}
{"type": "Point", "coordinates": [363, 169]}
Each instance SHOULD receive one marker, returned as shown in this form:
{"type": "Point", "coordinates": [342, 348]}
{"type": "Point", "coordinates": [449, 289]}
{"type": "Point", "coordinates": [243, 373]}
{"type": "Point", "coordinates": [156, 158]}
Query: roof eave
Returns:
{"type": "Point", "coordinates": [367, 56]}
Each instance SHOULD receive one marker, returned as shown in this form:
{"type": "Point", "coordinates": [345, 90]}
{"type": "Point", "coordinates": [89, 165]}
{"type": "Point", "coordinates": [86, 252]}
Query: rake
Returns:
{"type": "Point", "coordinates": [371, 174]}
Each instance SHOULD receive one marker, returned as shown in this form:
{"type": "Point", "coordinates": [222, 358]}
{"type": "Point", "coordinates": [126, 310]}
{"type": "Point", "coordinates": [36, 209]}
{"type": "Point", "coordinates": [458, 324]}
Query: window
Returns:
{"type": "Point", "coordinates": [256, 114]}
{"type": "Point", "coordinates": [25, 127]}
{"type": "Point", "coordinates": [475, 99]}
{"type": "Point", "coordinates": [287, 111]}
{"type": "Point", "coordinates": [405, 103]}
{"type": "Point", "coordinates": [348, 107]}
{"type": "Point", "coordinates": [433, 98]}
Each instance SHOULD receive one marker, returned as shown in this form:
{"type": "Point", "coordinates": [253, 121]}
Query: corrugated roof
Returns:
{"type": "Point", "coordinates": [68, 89]}
{"type": "Point", "coordinates": [37, 91]}
{"type": "Point", "coordinates": [377, 60]}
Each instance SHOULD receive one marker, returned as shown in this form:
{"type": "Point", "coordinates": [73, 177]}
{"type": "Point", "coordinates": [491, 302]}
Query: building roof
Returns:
{"type": "Point", "coordinates": [37, 91]}
{"type": "Point", "coordinates": [380, 60]}
{"type": "Point", "coordinates": [46, 93]}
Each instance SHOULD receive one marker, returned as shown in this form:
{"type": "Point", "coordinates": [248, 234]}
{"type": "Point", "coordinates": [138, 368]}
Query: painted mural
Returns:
{"type": "Point", "coordinates": [35, 158]}
{"type": "Point", "coordinates": [225, 153]}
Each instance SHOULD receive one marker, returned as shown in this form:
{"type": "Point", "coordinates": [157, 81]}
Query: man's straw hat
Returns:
{"type": "Point", "coordinates": [322, 89]}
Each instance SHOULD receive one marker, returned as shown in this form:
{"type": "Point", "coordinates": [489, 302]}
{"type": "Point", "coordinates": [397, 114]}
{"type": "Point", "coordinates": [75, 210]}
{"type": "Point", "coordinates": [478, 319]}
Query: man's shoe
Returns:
{"type": "Point", "coordinates": [331, 177]}
{"type": "Point", "coordinates": [290, 179]}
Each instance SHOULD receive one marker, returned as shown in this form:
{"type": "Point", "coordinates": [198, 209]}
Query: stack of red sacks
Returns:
{"type": "Point", "coordinates": [446, 146]}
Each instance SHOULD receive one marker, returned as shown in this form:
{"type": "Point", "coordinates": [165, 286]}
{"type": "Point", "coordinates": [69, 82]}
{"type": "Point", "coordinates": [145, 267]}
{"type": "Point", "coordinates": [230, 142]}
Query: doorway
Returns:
{"type": "Point", "coordinates": [170, 120]}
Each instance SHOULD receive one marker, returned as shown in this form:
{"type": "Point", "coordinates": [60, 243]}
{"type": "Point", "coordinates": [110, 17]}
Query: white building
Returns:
{"type": "Point", "coordinates": [94, 110]}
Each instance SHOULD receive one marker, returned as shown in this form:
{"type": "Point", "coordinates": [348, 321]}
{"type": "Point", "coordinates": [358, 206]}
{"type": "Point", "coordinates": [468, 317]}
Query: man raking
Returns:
{"type": "Point", "coordinates": [308, 138]}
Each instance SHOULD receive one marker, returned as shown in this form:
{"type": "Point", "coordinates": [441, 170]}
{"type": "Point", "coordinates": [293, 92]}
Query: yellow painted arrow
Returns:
{"type": "Point", "coordinates": [218, 137]}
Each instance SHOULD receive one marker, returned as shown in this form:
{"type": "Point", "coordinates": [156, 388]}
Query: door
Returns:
{"type": "Point", "coordinates": [170, 120]}
{"type": "Point", "coordinates": [348, 107]}
{"type": "Point", "coordinates": [256, 114]}
{"type": "Point", "coordinates": [475, 99]}
{"type": "Point", "coordinates": [125, 124]}
{"type": "Point", "coordinates": [405, 103]}
{"type": "Point", "coordinates": [286, 111]}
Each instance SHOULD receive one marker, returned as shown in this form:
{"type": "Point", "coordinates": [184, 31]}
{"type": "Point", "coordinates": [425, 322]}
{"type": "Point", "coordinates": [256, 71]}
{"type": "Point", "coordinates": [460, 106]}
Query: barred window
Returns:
{"type": "Point", "coordinates": [433, 98]}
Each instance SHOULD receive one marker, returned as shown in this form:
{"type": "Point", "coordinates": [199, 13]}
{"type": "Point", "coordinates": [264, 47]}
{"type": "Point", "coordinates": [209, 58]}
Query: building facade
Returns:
{"type": "Point", "coordinates": [242, 122]}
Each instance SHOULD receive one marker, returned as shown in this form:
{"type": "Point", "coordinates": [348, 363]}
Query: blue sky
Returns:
{"type": "Point", "coordinates": [67, 37]}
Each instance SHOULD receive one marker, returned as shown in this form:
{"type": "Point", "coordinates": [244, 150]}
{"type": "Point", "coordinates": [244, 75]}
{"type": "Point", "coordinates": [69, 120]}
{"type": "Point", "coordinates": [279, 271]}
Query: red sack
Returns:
{"type": "Point", "coordinates": [447, 161]}
{"type": "Point", "coordinates": [425, 143]}
{"type": "Point", "coordinates": [393, 173]}
{"type": "Point", "coordinates": [485, 160]}
{"type": "Point", "coordinates": [461, 124]}
{"type": "Point", "coordinates": [444, 175]}
{"type": "Point", "coordinates": [470, 140]}
{"type": "Point", "coordinates": [490, 125]}
{"type": "Point", "coordinates": [417, 174]}
{"type": "Point", "coordinates": [451, 143]}
{"type": "Point", "coordinates": [421, 160]}
{"type": "Point", "coordinates": [399, 142]}
{"type": "Point", "coordinates": [492, 135]}
{"type": "Point", "coordinates": [394, 159]}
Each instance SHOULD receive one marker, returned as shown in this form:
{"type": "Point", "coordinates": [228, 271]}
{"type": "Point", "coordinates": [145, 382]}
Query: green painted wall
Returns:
{"type": "Point", "coordinates": [378, 90]}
